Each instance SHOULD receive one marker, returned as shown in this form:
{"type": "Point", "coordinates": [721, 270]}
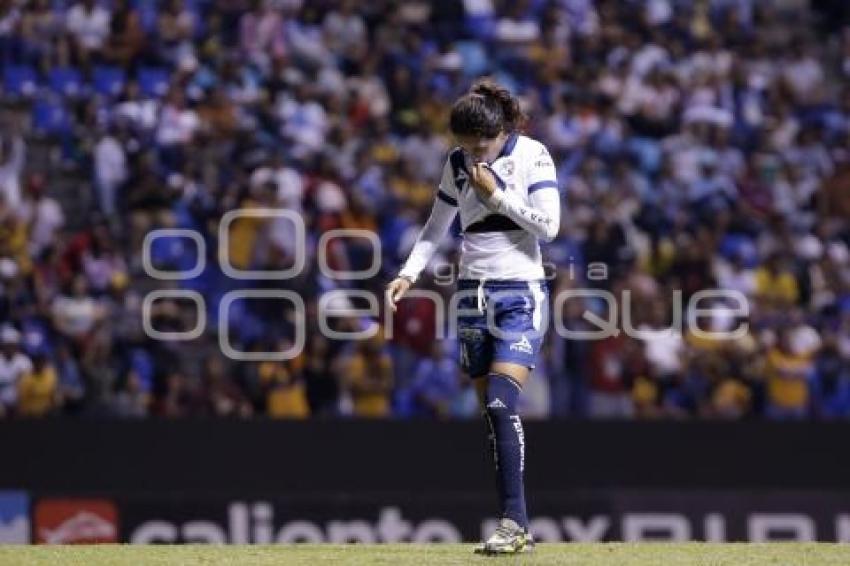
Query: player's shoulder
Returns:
{"type": "Point", "coordinates": [532, 154]}
{"type": "Point", "coordinates": [455, 160]}
{"type": "Point", "coordinates": [454, 153]}
{"type": "Point", "coordinates": [530, 147]}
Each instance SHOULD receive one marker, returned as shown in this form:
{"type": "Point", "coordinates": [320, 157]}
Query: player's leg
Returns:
{"type": "Point", "coordinates": [476, 357]}
{"type": "Point", "coordinates": [515, 345]}
{"type": "Point", "coordinates": [501, 389]}
{"type": "Point", "coordinates": [480, 383]}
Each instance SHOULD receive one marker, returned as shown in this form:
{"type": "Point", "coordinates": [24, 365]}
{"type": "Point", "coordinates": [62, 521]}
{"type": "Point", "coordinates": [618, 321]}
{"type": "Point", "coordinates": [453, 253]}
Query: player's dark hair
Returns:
{"type": "Point", "coordinates": [485, 111]}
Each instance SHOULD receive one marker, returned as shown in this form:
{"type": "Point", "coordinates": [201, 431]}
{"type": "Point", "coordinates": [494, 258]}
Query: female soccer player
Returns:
{"type": "Point", "coordinates": [504, 185]}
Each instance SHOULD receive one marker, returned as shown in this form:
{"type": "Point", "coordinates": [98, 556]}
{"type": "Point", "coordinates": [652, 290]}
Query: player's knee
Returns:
{"type": "Point", "coordinates": [501, 395]}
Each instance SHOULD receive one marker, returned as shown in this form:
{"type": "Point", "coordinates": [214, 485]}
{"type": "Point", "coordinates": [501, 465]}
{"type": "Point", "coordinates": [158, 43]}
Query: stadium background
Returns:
{"type": "Point", "coordinates": [699, 144]}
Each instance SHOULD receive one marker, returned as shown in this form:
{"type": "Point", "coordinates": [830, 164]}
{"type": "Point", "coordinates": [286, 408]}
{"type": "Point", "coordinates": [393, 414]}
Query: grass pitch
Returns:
{"type": "Point", "coordinates": [598, 554]}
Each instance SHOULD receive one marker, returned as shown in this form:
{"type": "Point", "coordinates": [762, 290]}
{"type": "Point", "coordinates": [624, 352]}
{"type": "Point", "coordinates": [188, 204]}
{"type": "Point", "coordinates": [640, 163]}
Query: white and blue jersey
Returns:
{"type": "Point", "coordinates": [500, 254]}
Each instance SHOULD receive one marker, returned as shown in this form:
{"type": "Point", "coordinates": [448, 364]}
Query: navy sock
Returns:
{"type": "Point", "coordinates": [509, 444]}
{"type": "Point", "coordinates": [492, 450]}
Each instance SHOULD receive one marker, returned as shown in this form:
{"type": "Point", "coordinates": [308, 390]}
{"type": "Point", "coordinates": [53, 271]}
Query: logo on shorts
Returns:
{"type": "Point", "coordinates": [522, 345]}
{"type": "Point", "coordinates": [496, 404]}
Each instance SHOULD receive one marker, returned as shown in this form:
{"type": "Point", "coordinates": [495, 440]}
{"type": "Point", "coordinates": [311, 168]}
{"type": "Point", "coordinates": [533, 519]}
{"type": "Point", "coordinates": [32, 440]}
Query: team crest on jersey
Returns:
{"type": "Point", "coordinates": [506, 169]}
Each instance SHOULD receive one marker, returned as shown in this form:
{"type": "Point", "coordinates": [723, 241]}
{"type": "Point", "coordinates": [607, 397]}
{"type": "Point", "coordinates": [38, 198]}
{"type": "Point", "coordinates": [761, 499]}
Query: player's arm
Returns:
{"type": "Point", "coordinates": [442, 215]}
{"type": "Point", "coordinates": [541, 217]}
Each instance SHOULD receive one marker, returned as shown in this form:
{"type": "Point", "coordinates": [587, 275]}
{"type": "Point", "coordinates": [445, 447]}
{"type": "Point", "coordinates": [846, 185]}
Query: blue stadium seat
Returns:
{"type": "Point", "coordinates": [153, 81]}
{"type": "Point", "coordinates": [20, 80]}
{"type": "Point", "coordinates": [49, 117]}
{"type": "Point", "coordinates": [65, 81]}
{"type": "Point", "coordinates": [108, 81]}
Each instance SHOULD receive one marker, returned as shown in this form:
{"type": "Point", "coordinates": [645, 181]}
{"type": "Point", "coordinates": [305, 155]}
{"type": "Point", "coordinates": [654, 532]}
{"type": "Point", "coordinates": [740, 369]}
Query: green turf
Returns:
{"type": "Point", "coordinates": [602, 554]}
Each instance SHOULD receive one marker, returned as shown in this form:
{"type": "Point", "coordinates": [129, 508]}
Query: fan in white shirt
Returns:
{"type": "Point", "coordinates": [13, 366]}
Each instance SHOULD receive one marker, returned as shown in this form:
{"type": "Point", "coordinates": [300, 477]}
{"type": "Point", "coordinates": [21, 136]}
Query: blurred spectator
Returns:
{"type": "Point", "coordinates": [131, 400]}
{"type": "Point", "coordinates": [42, 215]}
{"type": "Point", "coordinates": [435, 389]}
{"type": "Point", "coordinates": [322, 384]}
{"type": "Point", "coordinates": [831, 382]}
{"type": "Point", "coordinates": [110, 164]}
{"type": "Point", "coordinates": [368, 378]}
{"type": "Point", "coordinates": [127, 39]}
{"type": "Point", "coordinates": [262, 33]}
{"type": "Point", "coordinates": [175, 29]}
{"type": "Point", "coordinates": [14, 366]}
{"type": "Point", "coordinates": [70, 386]}
{"type": "Point", "coordinates": [775, 284]}
{"type": "Point", "coordinates": [283, 388]}
{"type": "Point", "coordinates": [788, 380]}
{"type": "Point", "coordinates": [89, 26]}
{"type": "Point", "coordinates": [76, 313]}
{"type": "Point", "coordinates": [221, 392]}
{"type": "Point", "coordinates": [38, 390]}
{"type": "Point", "coordinates": [12, 155]}
{"type": "Point", "coordinates": [610, 375]}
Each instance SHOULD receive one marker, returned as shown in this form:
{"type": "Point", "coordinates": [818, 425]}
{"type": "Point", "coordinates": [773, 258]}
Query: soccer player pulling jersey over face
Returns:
{"type": "Point", "coordinates": [504, 186]}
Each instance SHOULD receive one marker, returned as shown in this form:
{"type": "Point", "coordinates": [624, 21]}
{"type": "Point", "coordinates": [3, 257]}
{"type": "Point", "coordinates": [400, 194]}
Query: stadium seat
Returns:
{"type": "Point", "coordinates": [65, 81]}
{"type": "Point", "coordinates": [50, 118]}
{"type": "Point", "coordinates": [108, 81]}
{"type": "Point", "coordinates": [153, 81]}
{"type": "Point", "coordinates": [20, 81]}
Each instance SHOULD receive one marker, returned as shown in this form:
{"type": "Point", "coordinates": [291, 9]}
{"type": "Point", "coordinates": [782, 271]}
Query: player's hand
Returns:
{"type": "Point", "coordinates": [483, 182]}
{"type": "Point", "coordinates": [396, 290]}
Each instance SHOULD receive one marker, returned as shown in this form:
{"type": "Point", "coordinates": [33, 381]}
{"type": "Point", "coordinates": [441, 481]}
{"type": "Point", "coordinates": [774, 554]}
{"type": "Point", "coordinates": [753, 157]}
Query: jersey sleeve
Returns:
{"type": "Point", "coordinates": [541, 213]}
{"type": "Point", "coordinates": [442, 215]}
{"type": "Point", "coordinates": [447, 191]}
{"type": "Point", "coordinates": [542, 217]}
{"type": "Point", "coordinates": [541, 172]}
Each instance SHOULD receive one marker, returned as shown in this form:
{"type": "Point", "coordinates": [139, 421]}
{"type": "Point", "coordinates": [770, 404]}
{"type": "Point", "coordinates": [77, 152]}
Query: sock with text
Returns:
{"type": "Point", "coordinates": [508, 443]}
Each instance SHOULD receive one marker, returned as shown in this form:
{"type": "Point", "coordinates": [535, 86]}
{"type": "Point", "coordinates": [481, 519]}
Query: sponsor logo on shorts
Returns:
{"type": "Point", "coordinates": [522, 345]}
{"type": "Point", "coordinates": [496, 404]}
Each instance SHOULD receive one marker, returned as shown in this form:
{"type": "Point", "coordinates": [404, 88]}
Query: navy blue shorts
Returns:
{"type": "Point", "coordinates": [504, 321]}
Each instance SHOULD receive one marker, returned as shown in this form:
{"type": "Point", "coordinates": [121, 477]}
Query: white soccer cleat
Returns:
{"type": "Point", "coordinates": [509, 538]}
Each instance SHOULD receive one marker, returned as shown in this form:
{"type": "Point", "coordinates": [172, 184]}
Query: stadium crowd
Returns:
{"type": "Point", "coordinates": [700, 145]}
